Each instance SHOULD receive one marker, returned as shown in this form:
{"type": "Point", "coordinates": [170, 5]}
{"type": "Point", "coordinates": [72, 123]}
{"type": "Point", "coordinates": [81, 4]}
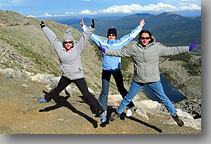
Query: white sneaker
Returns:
{"type": "Point", "coordinates": [129, 113]}
{"type": "Point", "coordinates": [103, 116]}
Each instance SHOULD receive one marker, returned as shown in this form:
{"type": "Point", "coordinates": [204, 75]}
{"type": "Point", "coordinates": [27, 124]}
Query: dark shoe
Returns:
{"type": "Point", "coordinates": [178, 120]}
{"type": "Point", "coordinates": [48, 98]}
{"type": "Point", "coordinates": [105, 123]}
{"type": "Point", "coordinates": [113, 116]}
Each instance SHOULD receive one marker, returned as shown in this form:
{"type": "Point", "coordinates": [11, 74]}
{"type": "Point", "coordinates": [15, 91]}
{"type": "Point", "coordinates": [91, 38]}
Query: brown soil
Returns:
{"type": "Point", "coordinates": [22, 114]}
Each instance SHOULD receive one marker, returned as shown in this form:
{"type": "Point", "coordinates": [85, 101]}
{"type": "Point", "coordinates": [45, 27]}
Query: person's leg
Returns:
{"type": "Point", "coordinates": [134, 89]}
{"type": "Point", "coordinates": [120, 85]}
{"type": "Point", "coordinates": [96, 108]}
{"type": "Point", "coordinates": [103, 98]}
{"type": "Point", "coordinates": [157, 88]}
{"type": "Point", "coordinates": [63, 83]}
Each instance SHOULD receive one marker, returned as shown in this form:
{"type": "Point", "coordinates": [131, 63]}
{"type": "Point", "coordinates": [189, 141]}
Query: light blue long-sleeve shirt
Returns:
{"type": "Point", "coordinates": [112, 63]}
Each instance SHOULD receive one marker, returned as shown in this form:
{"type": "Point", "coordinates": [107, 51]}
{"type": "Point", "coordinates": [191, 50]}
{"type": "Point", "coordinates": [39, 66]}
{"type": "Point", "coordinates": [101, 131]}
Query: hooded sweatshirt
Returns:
{"type": "Point", "coordinates": [112, 63]}
{"type": "Point", "coordinates": [70, 61]}
{"type": "Point", "coordinates": [146, 59]}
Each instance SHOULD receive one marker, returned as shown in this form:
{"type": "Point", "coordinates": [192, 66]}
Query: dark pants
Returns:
{"type": "Point", "coordinates": [81, 84]}
{"type": "Point", "coordinates": [106, 75]}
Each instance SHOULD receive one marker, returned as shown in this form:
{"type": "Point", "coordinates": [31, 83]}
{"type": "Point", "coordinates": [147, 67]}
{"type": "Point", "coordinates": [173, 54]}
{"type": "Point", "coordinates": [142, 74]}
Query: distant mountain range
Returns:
{"type": "Point", "coordinates": [168, 28]}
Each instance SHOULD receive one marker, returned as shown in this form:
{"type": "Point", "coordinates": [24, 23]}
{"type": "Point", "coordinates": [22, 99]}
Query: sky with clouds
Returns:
{"type": "Point", "coordinates": [38, 8]}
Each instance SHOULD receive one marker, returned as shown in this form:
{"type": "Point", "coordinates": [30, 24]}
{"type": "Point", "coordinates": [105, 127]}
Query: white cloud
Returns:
{"type": "Point", "coordinates": [182, 2]}
{"type": "Point", "coordinates": [191, 7]}
{"type": "Point", "coordinates": [69, 13]}
{"type": "Point", "coordinates": [88, 12]}
{"type": "Point", "coordinates": [133, 8]}
{"type": "Point", "coordinates": [31, 16]}
{"type": "Point", "coordinates": [136, 8]}
{"type": "Point", "coordinates": [47, 15]}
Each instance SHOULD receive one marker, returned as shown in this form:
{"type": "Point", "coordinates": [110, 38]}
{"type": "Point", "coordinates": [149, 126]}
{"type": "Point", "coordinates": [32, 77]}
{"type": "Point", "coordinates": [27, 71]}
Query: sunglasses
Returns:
{"type": "Point", "coordinates": [146, 38]}
{"type": "Point", "coordinates": [68, 42]}
{"type": "Point", "coordinates": [111, 35]}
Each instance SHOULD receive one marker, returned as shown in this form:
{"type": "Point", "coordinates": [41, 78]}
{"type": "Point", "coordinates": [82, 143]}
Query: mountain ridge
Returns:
{"type": "Point", "coordinates": [168, 28]}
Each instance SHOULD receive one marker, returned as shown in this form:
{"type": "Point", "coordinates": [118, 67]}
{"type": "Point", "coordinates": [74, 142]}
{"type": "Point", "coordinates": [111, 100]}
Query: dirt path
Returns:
{"type": "Point", "coordinates": [21, 114]}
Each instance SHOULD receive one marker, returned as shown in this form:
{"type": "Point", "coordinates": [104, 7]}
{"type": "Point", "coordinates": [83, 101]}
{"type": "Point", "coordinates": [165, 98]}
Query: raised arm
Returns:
{"type": "Point", "coordinates": [85, 37]}
{"type": "Point", "coordinates": [95, 38]}
{"type": "Point", "coordinates": [52, 38]}
{"type": "Point", "coordinates": [128, 38]}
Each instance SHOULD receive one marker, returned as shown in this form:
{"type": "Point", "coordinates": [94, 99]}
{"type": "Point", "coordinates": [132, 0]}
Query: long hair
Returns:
{"type": "Point", "coordinates": [146, 31]}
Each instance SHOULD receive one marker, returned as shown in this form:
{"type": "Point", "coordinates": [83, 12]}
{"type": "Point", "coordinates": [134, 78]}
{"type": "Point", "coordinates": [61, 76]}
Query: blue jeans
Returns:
{"type": "Point", "coordinates": [156, 87]}
{"type": "Point", "coordinates": [106, 75]}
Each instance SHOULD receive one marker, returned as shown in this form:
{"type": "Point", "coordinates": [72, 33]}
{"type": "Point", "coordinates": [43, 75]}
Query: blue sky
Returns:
{"type": "Point", "coordinates": [39, 8]}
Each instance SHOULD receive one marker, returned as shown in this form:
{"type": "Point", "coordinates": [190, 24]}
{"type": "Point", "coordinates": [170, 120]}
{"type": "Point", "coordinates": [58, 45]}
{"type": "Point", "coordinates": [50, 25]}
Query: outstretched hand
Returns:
{"type": "Point", "coordinates": [101, 48]}
{"type": "Point", "coordinates": [93, 23]}
{"type": "Point", "coordinates": [193, 45]}
{"type": "Point", "coordinates": [82, 22]}
{"type": "Point", "coordinates": [142, 23]}
{"type": "Point", "coordinates": [42, 24]}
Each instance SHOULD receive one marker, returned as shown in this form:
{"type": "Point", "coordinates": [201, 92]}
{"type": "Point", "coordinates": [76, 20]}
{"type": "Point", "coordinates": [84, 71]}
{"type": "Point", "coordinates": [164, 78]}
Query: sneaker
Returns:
{"type": "Point", "coordinates": [103, 116]}
{"type": "Point", "coordinates": [42, 100]}
{"type": "Point", "coordinates": [113, 116]}
{"type": "Point", "coordinates": [178, 120]}
{"type": "Point", "coordinates": [129, 112]}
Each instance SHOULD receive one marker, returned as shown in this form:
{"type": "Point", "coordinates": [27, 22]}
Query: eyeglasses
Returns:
{"type": "Point", "coordinates": [68, 42]}
{"type": "Point", "coordinates": [146, 38]}
{"type": "Point", "coordinates": [111, 35]}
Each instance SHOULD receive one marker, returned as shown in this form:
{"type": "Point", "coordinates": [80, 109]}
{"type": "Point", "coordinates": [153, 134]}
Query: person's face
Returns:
{"type": "Point", "coordinates": [145, 39]}
{"type": "Point", "coordinates": [111, 37]}
{"type": "Point", "coordinates": [68, 43]}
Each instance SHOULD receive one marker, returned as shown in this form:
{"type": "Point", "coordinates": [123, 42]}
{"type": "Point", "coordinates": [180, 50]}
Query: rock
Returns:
{"type": "Point", "coordinates": [53, 82]}
{"type": "Point", "coordinates": [183, 114]}
{"type": "Point", "coordinates": [148, 106]}
{"type": "Point", "coordinates": [45, 78]}
{"type": "Point", "coordinates": [193, 123]}
{"type": "Point", "coordinates": [90, 90]}
{"type": "Point", "coordinates": [25, 85]}
{"type": "Point", "coordinates": [8, 75]}
{"type": "Point", "coordinates": [142, 113]}
{"type": "Point", "coordinates": [114, 100]}
{"type": "Point", "coordinates": [193, 107]}
{"type": "Point", "coordinates": [189, 121]}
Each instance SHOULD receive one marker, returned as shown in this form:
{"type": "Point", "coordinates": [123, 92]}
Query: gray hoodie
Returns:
{"type": "Point", "coordinates": [146, 59]}
{"type": "Point", "coordinates": [70, 61]}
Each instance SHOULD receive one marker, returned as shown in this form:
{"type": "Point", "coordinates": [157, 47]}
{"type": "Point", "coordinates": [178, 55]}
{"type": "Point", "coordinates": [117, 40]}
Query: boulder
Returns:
{"type": "Point", "coordinates": [45, 78]}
